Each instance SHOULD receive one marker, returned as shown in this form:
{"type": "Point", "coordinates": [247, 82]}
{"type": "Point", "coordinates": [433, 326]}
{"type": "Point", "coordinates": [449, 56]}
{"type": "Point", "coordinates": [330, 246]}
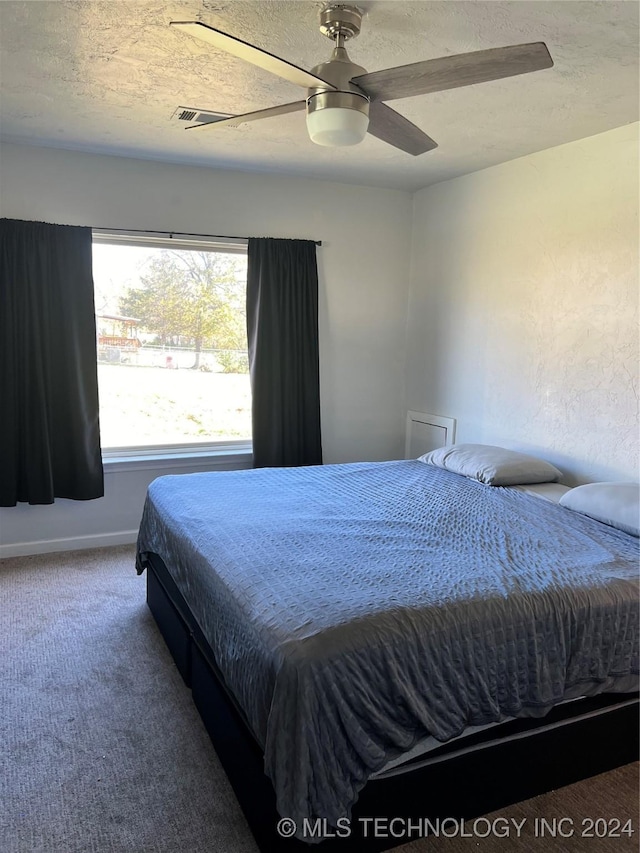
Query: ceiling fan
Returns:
{"type": "Point", "coordinates": [344, 102]}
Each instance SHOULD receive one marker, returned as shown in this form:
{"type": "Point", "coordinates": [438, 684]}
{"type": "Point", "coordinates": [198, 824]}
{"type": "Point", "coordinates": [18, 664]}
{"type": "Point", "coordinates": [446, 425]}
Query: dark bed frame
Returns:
{"type": "Point", "coordinates": [581, 744]}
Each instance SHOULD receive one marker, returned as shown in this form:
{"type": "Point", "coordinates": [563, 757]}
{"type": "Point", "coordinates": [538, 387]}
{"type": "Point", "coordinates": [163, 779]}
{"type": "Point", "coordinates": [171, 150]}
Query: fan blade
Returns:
{"type": "Point", "coordinates": [236, 121]}
{"type": "Point", "coordinates": [450, 72]}
{"type": "Point", "coordinates": [251, 54]}
{"type": "Point", "coordinates": [389, 126]}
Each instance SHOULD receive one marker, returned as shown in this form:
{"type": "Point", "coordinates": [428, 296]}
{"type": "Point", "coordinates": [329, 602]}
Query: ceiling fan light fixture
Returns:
{"type": "Point", "coordinates": [336, 127]}
{"type": "Point", "coordinates": [337, 119]}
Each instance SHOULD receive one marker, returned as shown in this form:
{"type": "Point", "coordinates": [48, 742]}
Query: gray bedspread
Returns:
{"type": "Point", "coordinates": [354, 609]}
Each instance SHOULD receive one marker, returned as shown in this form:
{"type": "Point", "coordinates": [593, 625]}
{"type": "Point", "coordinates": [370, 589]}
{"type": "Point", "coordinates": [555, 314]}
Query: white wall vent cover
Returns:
{"type": "Point", "coordinates": [196, 116]}
{"type": "Point", "coordinates": [427, 432]}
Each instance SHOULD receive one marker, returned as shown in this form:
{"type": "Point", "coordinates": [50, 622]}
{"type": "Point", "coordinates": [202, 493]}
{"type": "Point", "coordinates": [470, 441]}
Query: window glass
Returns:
{"type": "Point", "coordinates": [172, 344]}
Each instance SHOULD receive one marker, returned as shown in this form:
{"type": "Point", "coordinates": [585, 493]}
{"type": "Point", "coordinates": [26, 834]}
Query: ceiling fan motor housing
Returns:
{"type": "Point", "coordinates": [345, 109]}
{"type": "Point", "coordinates": [339, 115]}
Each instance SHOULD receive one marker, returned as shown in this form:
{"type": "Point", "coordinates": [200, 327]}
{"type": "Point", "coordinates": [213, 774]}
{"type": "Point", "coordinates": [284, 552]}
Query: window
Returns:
{"type": "Point", "coordinates": [173, 370]}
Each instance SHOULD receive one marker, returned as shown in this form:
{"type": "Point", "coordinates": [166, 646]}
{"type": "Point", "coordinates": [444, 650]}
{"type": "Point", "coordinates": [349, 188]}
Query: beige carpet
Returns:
{"type": "Point", "coordinates": [102, 750]}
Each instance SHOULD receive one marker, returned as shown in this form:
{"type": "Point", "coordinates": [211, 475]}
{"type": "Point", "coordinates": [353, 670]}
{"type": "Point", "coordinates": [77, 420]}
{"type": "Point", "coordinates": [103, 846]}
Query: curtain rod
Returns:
{"type": "Point", "coordinates": [172, 234]}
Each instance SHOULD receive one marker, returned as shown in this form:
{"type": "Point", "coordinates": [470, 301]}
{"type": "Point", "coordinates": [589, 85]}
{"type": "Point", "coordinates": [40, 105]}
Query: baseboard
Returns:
{"type": "Point", "coordinates": [71, 543]}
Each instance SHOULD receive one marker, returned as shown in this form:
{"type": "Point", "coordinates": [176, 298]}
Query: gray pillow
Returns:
{"type": "Point", "coordinates": [615, 504]}
{"type": "Point", "coordinates": [493, 466]}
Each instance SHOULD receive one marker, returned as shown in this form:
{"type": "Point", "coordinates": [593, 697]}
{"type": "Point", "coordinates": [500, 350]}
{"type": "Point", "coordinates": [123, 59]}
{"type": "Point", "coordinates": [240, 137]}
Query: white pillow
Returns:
{"type": "Point", "coordinates": [615, 504]}
{"type": "Point", "coordinates": [493, 466]}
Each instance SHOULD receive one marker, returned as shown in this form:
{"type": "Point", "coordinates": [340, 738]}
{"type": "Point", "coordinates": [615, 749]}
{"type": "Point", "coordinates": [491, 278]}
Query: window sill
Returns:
{"type": "Point", "coordinates": [224, 457]}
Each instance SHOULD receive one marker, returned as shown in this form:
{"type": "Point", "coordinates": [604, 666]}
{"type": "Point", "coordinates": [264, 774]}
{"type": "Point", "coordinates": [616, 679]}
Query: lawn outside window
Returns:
{"type": "Point", "coordinates": [173, 370]}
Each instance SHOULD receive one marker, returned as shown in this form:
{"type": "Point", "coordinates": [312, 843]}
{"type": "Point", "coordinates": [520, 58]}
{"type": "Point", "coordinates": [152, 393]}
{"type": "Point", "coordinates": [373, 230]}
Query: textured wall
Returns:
{"type": "Point", "coordinates": [523, 313]}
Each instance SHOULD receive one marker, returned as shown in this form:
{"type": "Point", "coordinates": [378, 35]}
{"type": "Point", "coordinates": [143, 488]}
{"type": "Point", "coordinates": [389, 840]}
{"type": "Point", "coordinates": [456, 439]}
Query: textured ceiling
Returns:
{"type": "Point", "coordinates": [108, 76]}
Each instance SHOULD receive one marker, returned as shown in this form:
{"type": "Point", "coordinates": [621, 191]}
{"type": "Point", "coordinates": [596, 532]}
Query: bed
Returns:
{"type": "Point", "coordinates": [392, 639]}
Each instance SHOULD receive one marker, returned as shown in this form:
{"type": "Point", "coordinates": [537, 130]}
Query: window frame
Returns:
{"type": "Point", "coordinates": [185, 452]}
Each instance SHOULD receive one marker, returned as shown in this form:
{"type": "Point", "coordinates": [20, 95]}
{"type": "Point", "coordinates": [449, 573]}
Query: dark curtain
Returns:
{"type": "Point", "coordinates": [282, 325]}
{"type": "Point", "coordinates": [49, 432]}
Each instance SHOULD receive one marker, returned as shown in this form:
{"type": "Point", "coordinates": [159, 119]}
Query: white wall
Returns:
{"type": "Point", "coordinates": [112, 520]}
{"type": "Point", "coordinates": [523, 309]}
{"type": "Point", "coordinates": [363, 270]}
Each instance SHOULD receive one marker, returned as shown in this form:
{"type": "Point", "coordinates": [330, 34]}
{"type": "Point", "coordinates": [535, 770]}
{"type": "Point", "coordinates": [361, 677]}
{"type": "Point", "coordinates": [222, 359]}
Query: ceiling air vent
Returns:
{"type": "Point", "coordinates": [195, 116]}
